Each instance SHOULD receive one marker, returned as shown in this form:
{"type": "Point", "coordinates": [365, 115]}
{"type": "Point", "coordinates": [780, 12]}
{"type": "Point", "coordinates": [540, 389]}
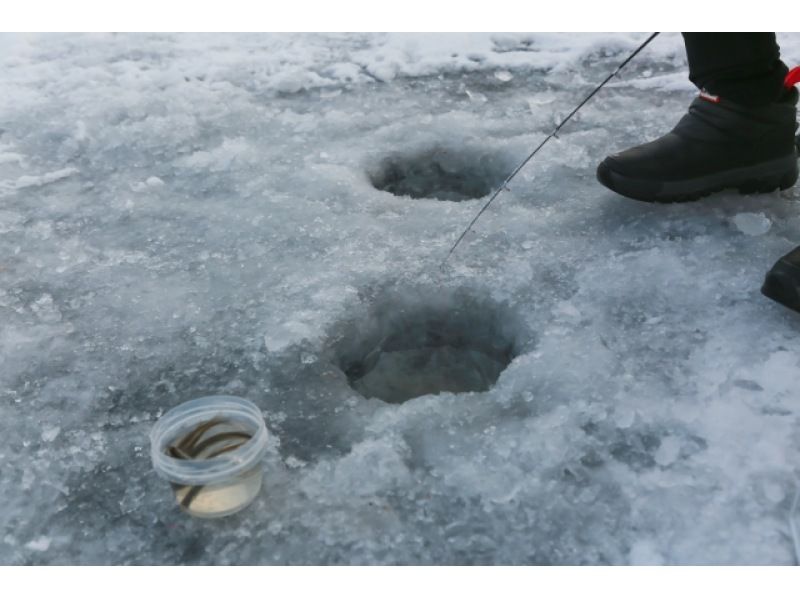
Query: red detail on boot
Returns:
{"type": "Point", "coordinates": [709, 97]}
{"type": "Point", "coordinates": [793, 78]}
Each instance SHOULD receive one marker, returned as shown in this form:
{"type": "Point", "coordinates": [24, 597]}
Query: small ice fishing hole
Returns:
{"type": "Point", "coordinates": [443, 173]}
{"type": "Point", "coordinates": [416, 345]}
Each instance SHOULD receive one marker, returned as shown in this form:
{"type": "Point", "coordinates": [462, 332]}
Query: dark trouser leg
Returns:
{"type": "Point", "coordinates": [744, 68]}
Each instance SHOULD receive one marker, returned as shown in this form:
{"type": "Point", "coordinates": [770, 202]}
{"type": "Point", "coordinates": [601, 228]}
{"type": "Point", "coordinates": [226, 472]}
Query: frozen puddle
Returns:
{"type": "Point", "coordinates": [426, 343]}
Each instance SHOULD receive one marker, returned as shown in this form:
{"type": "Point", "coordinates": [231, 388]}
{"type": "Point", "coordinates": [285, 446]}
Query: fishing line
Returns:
{"type": "Point", "coordinates": [504, 185]}
{"type": "Point", "coordinates": [375, 353]}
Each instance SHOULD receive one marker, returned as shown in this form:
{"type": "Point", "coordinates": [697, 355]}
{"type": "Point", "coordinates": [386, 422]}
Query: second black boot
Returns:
{"type": "Point", "coordinates": [717, 145]}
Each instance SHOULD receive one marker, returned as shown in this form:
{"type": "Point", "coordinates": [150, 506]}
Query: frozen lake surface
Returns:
{"type": "Point", "coordinates": [191, 215]}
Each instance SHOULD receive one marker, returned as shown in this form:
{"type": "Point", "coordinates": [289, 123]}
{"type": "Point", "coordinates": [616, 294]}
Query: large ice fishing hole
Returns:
{"type": "Point", "coordinates": [414, 345]}
{"type": "Point", "coordinates": [447, 174]}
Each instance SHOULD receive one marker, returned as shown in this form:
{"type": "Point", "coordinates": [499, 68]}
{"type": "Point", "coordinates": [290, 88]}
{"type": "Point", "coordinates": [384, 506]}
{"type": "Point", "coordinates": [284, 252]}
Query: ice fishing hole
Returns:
{"type": "Point", "coordinates": [446, 174]}
{"type": "Point", "coordinates": [415, 344]}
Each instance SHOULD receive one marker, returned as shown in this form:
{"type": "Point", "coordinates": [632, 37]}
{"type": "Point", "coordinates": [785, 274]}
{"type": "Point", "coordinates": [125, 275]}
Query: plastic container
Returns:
{"type": "Point", "coordinates": [210, 450]}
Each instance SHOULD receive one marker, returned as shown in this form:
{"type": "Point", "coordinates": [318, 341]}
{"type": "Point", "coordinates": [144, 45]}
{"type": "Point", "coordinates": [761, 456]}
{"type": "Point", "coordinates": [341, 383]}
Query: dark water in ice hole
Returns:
{"type": "Point", "coordinates": [413, 341]}
{"type": "Point", "coordinates": [446, 174]}
{"type": "Point", "coordinates": [401, 375]}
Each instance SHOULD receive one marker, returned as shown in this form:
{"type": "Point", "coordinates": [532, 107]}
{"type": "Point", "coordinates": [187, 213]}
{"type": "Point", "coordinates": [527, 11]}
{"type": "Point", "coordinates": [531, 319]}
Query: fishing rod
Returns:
{"type": "Point", "coordinates": [504, 185]}
{"type": "Point", "coordinates": [358, 369]}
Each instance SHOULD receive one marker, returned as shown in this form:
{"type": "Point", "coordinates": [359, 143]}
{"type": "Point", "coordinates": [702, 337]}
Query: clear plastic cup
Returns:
{"type": "Point", "coordinates": [210, 450]}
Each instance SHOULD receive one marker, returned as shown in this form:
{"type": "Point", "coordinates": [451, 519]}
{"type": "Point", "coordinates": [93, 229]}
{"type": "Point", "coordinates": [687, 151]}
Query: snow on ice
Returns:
{"type": "Point", "coordinates": [185, 215]}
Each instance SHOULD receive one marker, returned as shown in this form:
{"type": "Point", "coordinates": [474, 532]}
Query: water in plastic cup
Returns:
{"type": "Point", "coordinates": [210, 450]}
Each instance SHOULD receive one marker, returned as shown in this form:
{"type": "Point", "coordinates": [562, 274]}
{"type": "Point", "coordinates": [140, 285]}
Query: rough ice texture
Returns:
{"type": "Point", "coordinates": [183, 215]}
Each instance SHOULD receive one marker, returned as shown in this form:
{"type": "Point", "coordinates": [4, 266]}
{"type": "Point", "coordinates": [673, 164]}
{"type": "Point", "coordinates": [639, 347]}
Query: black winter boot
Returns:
{"type": "Point", "coordinates": [717, 145]}
{"type": "Point", "coordinates": [782, 283]}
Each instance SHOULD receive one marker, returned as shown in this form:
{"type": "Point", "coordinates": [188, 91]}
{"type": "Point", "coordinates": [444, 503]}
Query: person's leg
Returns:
{"type": "Point", "coordinates": [745, 68]}
{"type": "Point", "coordinates": [738, 134]}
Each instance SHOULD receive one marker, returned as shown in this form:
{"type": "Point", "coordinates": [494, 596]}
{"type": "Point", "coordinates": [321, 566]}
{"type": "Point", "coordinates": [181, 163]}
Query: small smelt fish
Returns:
{"type": "Point", "coordinates": [209, 442]}
{"type": "Point", "coordinates": [192, 437]}
{"type": "Point", "coordinates": [190, 447]}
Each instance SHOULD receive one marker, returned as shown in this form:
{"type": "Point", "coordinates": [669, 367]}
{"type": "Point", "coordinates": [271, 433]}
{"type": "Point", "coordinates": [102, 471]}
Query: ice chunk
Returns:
{"type": "Point", "coordinates": [50, 433]}
{"type": "Point", "coordinates": [286, 334]}
{"type": "Point", "coordinates": [45, 308]}
{"type": "Point", "coordinates": [308, 358]}
{"type": "Point", "coordinates": [218, 158]}
{"type": "Point", "coordinates": [753, 224]}
{"type": "Point", "coordinates": [298, 80]}
{"type": "Point", "coordinates": [45, 179]}
{"type": "Point", "coordinates": [476, 96]}
{"type": "Point", "coordinates": [9, 157]}
{"type": "Point", "coordinates": [40, 544]}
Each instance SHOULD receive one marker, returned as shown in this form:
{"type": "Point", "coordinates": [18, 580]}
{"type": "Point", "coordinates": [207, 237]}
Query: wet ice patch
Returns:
{"type": "Point", "coordinates": [443, 173]}
{"type": "Point", "coordinates": [420, 343]}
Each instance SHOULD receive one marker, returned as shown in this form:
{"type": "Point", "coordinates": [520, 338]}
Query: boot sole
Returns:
{"type": "Point", "coordinates": [761, 178]}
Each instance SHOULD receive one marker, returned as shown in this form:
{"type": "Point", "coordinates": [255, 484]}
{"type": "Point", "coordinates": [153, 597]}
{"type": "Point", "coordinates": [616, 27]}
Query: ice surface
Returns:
{"type": "Point", "coordinates": [186, 215]}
